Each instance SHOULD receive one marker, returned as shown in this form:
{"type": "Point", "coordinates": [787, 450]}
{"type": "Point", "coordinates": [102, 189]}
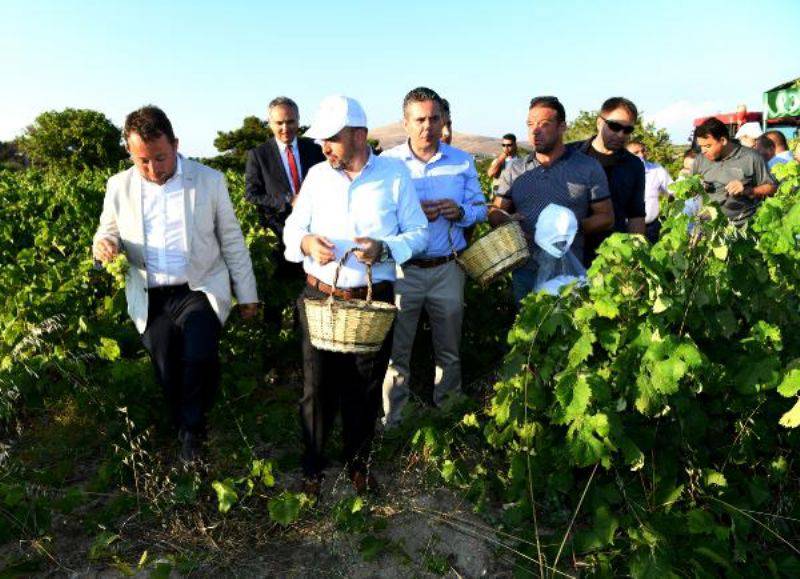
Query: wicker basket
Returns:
{"type": "Point", "coordinates": [349, 326]}
{"type": "Point", "coordinates": [500, 250]}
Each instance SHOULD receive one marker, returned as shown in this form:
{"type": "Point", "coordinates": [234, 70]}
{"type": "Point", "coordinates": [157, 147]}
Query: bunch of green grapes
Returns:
{"type": "Point", "coordinates": [118, 268]}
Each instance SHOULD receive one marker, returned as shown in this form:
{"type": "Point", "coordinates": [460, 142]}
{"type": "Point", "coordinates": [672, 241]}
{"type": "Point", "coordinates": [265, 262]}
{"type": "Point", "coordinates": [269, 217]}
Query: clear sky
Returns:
{"type": "Point", "coordinates": [210, 64]}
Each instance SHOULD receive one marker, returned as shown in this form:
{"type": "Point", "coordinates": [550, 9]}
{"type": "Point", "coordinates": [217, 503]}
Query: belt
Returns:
{"type": "Point", "coordinates": [432, 262]}
{"type": "Point", "coordinates": [168, 290]}
{"type": "Point", "coordinates": [351, 293]}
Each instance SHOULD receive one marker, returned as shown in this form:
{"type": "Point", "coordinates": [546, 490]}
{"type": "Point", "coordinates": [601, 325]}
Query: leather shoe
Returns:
{"type": "Point", "coordinates": [364, 483]}
{"type": "Point", "coordinates": [190, 447]}
{"type": "Point", "coordinates": [312, 486]}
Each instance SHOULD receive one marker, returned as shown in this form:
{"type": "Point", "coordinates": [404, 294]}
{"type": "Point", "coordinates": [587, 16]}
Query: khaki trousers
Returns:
{"type": "Point", "coordinates": [440, 290]}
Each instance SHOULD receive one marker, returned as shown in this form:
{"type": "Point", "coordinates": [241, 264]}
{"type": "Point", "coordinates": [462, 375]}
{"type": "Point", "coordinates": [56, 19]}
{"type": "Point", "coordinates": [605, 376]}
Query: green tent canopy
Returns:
{"type": "Point", "coordinates": [782, 104]}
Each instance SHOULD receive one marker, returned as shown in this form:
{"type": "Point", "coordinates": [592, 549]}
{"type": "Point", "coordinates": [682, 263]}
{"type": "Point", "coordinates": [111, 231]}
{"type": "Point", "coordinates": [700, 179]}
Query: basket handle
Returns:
{"type": "Point", "coordinates": [339, 265]}
{"type": "Point", "coordinates": [450, 229]}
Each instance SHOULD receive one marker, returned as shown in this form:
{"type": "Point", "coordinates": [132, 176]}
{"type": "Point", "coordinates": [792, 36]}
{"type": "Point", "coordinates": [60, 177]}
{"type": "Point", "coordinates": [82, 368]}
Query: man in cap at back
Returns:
{"type": "Point", "coordinates": [748, 134]}
{"type": "Point", "coordinates": [359, 201]}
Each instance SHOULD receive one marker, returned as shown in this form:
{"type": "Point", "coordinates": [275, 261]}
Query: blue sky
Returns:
{"type": "Point", "coordinates": [210, 64]}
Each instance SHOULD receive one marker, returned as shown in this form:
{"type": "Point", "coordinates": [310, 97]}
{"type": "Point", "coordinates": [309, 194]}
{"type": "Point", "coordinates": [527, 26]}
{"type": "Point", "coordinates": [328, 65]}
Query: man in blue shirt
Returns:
{"type": "Point", "coordinates": [447, 185]}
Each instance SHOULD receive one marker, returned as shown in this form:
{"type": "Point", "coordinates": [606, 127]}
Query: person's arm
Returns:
{"type": "Point", "coordinates": [472, 209]}
{"type": "Point", "coordinates": [636, 208]}
{"type": "Point", "coordinates": [601, 209]}
{"type": "Point", "coordinates": [106, 241]}
{"type": "Point", "coordinates": [600, 218]}
{"type": "Point", "coordinates": [766, 183]}
{"type": "Point", "coordinates": [298, 224]}
{"type": "Point", "coordinates": [497, 166]}
{"type": "Point", "coordinates": [233, 248]}
{"type": "Point", "coordinates": [412, 238]}
{"type": "Point", "coordinates": [501, 210]}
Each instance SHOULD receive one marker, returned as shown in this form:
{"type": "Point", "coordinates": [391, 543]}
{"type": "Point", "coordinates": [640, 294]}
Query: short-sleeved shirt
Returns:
{"type": "Point", "coordinates": [742, 164]}
{"type": "Point", "coordinates": [574, 181]}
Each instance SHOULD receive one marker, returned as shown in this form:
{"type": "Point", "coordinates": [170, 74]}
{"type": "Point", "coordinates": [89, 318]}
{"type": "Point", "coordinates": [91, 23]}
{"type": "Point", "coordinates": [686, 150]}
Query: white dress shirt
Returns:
{"type": "Point", "coordinates": [285, 158]}
{"type": "Point", "coordinates": [379, 203]}
{"type": "Point", "coordinates": [656, 183]}
{"type": "Point", "coordinates": [164, 216]}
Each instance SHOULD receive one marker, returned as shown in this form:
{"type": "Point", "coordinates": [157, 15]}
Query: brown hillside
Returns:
{"type": "Point", "coordinates": [478, 145]}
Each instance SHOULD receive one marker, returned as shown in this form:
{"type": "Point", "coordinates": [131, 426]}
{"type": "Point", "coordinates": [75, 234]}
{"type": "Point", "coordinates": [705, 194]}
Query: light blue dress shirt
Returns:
{"type": "Point", "coordinates": [379, 203]}
{"type": "Point", "coordinates": [449, 174]}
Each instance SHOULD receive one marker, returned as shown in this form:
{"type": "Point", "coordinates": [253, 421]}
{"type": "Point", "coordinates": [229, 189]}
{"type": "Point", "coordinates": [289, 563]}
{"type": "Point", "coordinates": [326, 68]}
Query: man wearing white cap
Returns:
{"type": "Point", "coordinates": [354, 201]}
{"type": "Point", "coordinates": [748, 133]}
{"type": "Point", "coordinates": [448, 188]}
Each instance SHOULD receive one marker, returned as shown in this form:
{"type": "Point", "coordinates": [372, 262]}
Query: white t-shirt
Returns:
{"type": "Point", "coordinates": [656, 183]}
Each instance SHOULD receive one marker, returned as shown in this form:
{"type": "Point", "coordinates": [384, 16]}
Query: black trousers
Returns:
{"type": "Point", "coordinates": [352, 382]}
{"type": "Point", "coordinates": [182, 338]}
{"type": "Point", "coordinates": [286, 274]}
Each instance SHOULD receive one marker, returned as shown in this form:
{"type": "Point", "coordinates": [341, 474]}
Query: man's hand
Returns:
{"type": "Point", "coordinates": [319, 248]}
{"type": "Point", "coordinates": [451, 210]}
{"type": "Point", "coordinates": [735, 188]}
{"type": "Point", "coordinates": [105, 250]}
{"type": "Point", "coordinates": [497, 217]}
{"type": "Point", "coordinates": [430, 209]}
{"type": "Point", "coordinates": [248, 311]}
{"type": "Point", "coordinates": [370, 250]}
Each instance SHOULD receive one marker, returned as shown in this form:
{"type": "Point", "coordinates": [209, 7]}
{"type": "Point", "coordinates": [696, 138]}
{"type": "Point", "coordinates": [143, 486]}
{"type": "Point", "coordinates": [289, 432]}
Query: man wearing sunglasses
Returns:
{"type": "Point", "coordinates": [508, 154]}
{"type": "Point", "coordinates": [625, 172]}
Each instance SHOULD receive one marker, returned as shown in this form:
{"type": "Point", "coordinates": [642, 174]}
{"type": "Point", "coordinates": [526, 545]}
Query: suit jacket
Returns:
{"type": "Point", "coordinates": [266, 182]}
{"type": "Point", "coordinates": [216, 248]}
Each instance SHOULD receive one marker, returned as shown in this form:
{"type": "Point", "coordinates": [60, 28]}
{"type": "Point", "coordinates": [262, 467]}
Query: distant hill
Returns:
{"type": "Point", "coordinates": [478, 145]}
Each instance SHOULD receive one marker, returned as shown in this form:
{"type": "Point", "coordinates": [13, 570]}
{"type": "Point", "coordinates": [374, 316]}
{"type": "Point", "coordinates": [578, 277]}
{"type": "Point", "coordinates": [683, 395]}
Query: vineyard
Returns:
{"type": "Point", "coordinates": [645, 425]}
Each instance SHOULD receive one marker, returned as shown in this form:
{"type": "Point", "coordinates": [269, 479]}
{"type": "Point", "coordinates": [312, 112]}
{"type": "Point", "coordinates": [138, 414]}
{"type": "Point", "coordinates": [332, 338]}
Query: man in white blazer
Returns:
{"type": "Point", "coordinates": [174, 220]}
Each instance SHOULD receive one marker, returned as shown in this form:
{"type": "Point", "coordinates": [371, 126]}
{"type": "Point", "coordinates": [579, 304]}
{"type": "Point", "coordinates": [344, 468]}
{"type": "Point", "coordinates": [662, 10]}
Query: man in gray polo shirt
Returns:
{"type": "Point", "coordinates": [736, 177]}
{"type": "Point", "coordinates": [552, 174]}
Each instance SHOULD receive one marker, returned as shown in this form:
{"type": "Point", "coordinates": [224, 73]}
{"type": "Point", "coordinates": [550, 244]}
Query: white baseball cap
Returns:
{"type": "Point", "coordinates": [334, 113]}
{"type": "Point", "coordinates": [555, 224]}
{"type": "Point", "coordinates": [752, 130]}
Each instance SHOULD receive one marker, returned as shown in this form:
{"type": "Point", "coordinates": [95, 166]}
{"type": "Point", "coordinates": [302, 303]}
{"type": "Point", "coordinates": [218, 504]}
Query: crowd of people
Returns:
{"type": "Point", "coordinates": [407, 214]}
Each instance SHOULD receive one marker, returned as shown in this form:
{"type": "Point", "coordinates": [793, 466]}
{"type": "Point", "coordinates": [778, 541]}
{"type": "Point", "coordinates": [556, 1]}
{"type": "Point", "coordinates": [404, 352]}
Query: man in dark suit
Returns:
{"type": "Point", "coordinates": [273, 176]}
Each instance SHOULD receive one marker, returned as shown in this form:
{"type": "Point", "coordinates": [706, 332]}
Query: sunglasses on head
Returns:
{"type": "Point", "coordinates": [617, 127]}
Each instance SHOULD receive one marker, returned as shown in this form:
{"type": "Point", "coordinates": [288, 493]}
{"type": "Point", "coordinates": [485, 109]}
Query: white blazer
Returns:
{"type": "Point", "coordinates": [217, 252]}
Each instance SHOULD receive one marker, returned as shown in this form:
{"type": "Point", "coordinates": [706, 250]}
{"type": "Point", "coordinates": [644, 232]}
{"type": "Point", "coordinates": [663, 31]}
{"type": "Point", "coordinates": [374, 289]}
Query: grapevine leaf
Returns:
{"type": "Point", "coordinates": [226, 495]}
{"type": "Point", "coordinates": [792, 418]}
{"type": "Point", "coordinates": [285, 508]}
{"type": "Point", "coordinates": [790, 385]}
{"type": "Point", "coordinates": [108, 349]}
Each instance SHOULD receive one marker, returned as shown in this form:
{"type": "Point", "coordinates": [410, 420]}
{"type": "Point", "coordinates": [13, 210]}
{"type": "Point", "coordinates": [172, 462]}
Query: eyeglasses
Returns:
{"type": "Point", "coordinates": [617, 127]}
{"type": "Point", "coordinates": [508, 144]}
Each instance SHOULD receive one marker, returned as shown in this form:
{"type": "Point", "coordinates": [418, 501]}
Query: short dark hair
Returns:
{"type": "Point", "coordinates": [712, 127]}
{"type": "Point", "coordinates": [283, 101]}
{"type": "Point", "coordinates": [615, 103]}
{"type": "Point", "coordinates": [641, 144]}
{"type": "Point", "coordinates": [765, 143]}
{"type": "Point", "coordinates": [422, 94]}
{"type": "Point", "coordinates": [780, 138]}
{"type": "Point", "coordinates": [149, 122]}
{"type": "Point", "coordinates": [550, 102]}
{"type": "Point", "coordinates": [510, 137]}
{"type": "Point", "coordinates": [445, 109]}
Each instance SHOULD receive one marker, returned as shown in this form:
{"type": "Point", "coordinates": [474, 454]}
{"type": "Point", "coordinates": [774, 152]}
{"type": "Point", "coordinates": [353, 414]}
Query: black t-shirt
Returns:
{"type": "Point", "coordinates": [625, 172]}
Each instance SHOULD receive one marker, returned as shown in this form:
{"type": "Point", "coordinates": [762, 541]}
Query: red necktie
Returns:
{"type": "Point", "coordinates": [293, 169]}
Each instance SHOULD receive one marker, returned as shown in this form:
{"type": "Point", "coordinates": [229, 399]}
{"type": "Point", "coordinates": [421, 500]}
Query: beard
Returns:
{"type": "Point", "coordinates": [545, 147]}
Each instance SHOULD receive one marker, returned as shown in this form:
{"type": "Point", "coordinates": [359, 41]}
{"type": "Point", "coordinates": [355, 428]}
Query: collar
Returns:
{"type": "Point", "coordinates": [441, 152]}
{"type": "Point", "coordinates": [282, 146]}
{"type": "Point", "coordinates": [530, 158]}
{"type": "Point", "coordinates": [737, 147]}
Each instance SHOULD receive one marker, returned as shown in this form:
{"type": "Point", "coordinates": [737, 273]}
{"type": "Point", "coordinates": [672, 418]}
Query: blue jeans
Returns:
{"type": "Point", "coordinates": [522, 283]}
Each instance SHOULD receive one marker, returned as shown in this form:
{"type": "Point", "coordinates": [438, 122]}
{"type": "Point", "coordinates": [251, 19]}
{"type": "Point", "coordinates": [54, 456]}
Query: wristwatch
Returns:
{"type": "Point", "coordinates": [386, 253]}
{"type": "Point", "coordinates": [461, 213]}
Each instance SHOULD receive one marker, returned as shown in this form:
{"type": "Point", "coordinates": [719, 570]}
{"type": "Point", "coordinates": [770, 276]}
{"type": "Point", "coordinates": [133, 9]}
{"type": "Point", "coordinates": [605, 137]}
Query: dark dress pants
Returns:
{"type": "Point", "coordinates": [332, 380]}
{"type": "Point", "coordinates": [182, 338]}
